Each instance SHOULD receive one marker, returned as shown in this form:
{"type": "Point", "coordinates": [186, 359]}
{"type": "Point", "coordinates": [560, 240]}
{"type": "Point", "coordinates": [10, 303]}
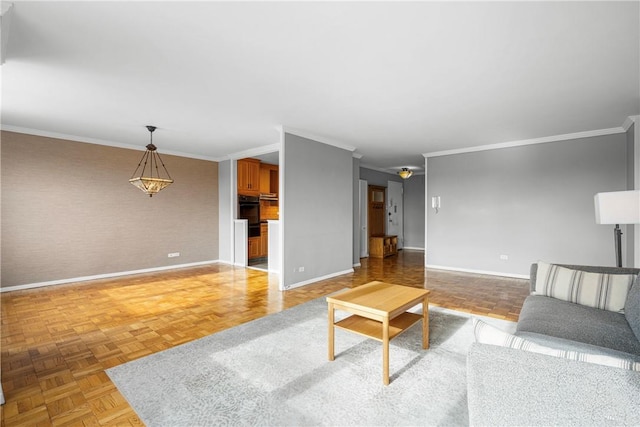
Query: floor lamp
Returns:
{"type": "Point", "coordinates": [618, 207]}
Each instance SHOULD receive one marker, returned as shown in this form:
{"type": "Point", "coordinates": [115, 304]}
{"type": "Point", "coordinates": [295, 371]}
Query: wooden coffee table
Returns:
{"type": "Point", "coordinates": [379, 311]}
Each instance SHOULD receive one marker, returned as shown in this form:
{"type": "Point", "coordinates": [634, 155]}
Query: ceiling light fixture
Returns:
{"type": "Point", "coordinates": [405, 173]}
{"type": "Point", "coordinates": [150, 184]}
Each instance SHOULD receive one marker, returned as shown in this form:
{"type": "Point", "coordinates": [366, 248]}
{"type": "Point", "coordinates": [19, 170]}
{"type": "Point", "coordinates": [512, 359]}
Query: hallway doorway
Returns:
{"type": "Point", "coordinates": [376, 210]}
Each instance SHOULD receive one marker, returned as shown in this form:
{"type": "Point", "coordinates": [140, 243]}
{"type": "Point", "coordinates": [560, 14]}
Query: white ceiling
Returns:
{"type": "Point", "coordinates": [394, 80]}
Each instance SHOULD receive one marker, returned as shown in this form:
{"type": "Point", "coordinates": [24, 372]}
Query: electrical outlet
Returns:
{"type": "Point", "coordinates": [300, 269]}
{"type": "Point", "coordinates": [173, 254]}
{"type": "Point", "coordinates": [504, 257]}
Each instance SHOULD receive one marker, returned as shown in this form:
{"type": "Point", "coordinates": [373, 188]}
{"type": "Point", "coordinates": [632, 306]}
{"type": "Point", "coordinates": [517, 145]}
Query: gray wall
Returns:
{"type": "Point", "coordinates": [628, 235]}
{"type": "Point", "coordinates": [317, 210]}
{"type": "Point", "coordinates": [68, 211]}
{"type": "Point", "coordinates": [531, 203]}
{"type": "Point", "coordinates": [414, 212]}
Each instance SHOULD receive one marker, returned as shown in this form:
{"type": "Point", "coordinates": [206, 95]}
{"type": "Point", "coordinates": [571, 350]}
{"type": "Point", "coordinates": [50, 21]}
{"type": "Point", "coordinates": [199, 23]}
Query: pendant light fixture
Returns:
{"type": "Point", "coordinates": [405, 173]}
{"type": "Point", "coordinates": [152, 182]}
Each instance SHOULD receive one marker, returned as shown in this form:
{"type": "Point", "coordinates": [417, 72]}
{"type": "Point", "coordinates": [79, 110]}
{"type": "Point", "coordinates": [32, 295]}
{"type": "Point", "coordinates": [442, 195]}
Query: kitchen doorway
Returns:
{"type": "Point", "coordinates": [266, 194]}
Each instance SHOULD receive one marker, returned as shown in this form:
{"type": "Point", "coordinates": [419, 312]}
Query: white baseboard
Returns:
{"type": "Point", "coordinates": [357, 265]}
{"type": "Point", "coordinates": [317, 279]}
{"type": "Point", "coordinates": [103, 276]}
{"type": "Point", "coordinates": [467, 270]}
{"type": "Point", "coordinates": [412, 248]}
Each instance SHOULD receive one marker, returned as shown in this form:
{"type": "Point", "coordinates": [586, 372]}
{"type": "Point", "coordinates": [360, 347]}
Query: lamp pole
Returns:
{"type": "Point", "coordinates": [617, 238]}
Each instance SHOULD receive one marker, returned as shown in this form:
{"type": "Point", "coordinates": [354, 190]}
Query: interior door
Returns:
{"type": "Point", "coordinates": [395, 211]}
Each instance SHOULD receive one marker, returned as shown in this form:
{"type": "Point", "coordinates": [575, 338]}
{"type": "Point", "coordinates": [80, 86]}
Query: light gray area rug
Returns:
{"type": "Point", "coordinates": [274, 371]}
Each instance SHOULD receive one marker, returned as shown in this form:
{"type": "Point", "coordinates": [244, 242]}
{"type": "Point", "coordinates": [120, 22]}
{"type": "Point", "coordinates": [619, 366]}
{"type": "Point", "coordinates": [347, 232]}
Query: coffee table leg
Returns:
{"type": "Point", "coordinates": [425, 322]}
{"type": "Point", "coordinates": [385, 351]}
{"type": "Point", "coordinates": [331, 317]}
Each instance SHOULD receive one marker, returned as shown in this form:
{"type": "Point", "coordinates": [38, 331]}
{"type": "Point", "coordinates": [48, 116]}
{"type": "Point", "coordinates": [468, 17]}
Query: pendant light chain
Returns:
{"type": "Point", "coordinates": [163, 166]}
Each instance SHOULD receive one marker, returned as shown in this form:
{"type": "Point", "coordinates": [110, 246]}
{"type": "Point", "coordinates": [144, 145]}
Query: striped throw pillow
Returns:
{"type": "Point", "coordinates": [603, 291]}
{"type": "Point", "coordinates": [487, 334]}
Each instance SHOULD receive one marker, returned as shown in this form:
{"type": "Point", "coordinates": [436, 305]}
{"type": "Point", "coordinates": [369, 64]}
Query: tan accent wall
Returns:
{"type": "Point", "coordinates": [69, 211]}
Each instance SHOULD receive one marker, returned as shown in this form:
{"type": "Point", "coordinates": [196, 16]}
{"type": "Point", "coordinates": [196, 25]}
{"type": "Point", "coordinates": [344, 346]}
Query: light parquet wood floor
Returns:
{"type": "Point", "coordinates": [57, 341]}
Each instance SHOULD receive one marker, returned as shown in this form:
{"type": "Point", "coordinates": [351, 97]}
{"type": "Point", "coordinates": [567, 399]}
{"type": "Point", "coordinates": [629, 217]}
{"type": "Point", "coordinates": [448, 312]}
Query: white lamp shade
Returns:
{"type": "Point", "coordinates": [618, 207]}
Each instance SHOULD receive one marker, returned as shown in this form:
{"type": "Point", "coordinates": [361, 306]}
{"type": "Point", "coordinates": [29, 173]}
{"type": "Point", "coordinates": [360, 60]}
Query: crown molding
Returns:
{"type": "Point", "coordinates": [96, 141]}
{"type": "Point", "coordinates": [629, 121]}
{"type": "Point", "coordinates": [254, 151]}
{"type": "Point", "coordinates": [318, 138]}
{"type": "Point", "coordinates": [543, 140]}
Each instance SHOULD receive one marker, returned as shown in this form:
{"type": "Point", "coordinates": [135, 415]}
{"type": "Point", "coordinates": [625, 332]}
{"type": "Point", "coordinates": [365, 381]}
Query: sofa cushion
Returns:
{"type": "Point", "coordinates": [599, 290]}
{"type": "Point", "coordinates": [562, 319]}
{"type": "Point", "coordinates": [488, 334]}
{"type": "Point", "coordinates": [632, 308]}
{"type": "Point", "coordinates": [564, 344]}
{"type": "Point", "coordinates": [533, 271]}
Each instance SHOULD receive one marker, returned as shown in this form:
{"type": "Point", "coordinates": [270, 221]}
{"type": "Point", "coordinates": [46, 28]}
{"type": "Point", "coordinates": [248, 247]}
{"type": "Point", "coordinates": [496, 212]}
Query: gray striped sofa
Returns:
{"type": "Point", "coordinates": [513, 386]}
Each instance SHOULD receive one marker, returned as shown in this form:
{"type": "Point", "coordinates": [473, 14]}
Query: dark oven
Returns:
{"type": "Point", "coordinates": [249, 209]}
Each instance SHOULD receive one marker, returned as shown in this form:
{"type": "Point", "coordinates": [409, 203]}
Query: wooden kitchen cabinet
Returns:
{"type": "Point", "coordinates": [249, 177]}
{"type": "Point", "coordinates": [269, 178]}
{"type": "Point", "coordinates": [264, 178]}
{"type": "Point", "coordinates": [269, 188]}
{"type": "Point", "coordinates": [254, 247]}
{"type": "Point", "coordinates": [264, 240]}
